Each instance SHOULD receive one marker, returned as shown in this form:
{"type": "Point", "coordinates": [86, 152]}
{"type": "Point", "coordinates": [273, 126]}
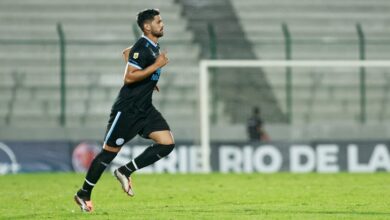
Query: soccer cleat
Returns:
{"type": "Point", "coordinates": [125, 182]}
{"type": "Point", "coordinates": [85, 204]}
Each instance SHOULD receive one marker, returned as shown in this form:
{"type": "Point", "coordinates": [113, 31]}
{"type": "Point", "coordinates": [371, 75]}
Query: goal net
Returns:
{"type": "Point", "coordinates": [288, 93]}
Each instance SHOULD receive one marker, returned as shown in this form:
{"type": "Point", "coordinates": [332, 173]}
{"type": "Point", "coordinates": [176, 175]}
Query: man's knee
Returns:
{"type": "Point", "coordinates": [165, 149]}
{"type": "Point", "coordinates": [111, 149]}
{"type": "Point", "coordinates": [166, 142]}
{"type": "Point", "coordinates": [105, 157]}
{"type": "Point", "coordinates": [162, 137]}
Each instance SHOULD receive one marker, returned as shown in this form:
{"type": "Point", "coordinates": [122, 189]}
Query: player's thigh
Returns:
{"type": "Point", "coordinates": [120, 130]}
{"type": "Point", "coordinates": [164, 137]}
{"type": "Point", "coordinates": [157, 128]}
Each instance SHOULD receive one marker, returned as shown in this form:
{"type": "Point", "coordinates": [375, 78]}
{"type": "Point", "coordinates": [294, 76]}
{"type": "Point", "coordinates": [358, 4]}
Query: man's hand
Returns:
{"type": "Point", "coordinates": [133, 74]}
{"type": "Point", "coordinates": [161, 60]}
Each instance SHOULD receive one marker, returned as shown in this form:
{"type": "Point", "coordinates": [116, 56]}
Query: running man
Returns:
{"type": "Point", "coordinates": [133, 112]}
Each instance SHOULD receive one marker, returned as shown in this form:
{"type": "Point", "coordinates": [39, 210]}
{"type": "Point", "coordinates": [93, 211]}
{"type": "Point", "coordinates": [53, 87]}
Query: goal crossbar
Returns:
{"type": "Point", "coordinates": [204, 86]}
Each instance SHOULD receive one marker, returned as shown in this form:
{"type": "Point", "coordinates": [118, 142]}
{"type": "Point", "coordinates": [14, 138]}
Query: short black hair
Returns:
{"type": "Point", "coordinates": [145, 16]}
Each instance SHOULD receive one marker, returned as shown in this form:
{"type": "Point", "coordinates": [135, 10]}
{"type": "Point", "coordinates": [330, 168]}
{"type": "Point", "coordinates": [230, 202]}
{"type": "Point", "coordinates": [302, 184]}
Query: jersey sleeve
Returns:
{"type": "Point", "coordinates": [137, 57]}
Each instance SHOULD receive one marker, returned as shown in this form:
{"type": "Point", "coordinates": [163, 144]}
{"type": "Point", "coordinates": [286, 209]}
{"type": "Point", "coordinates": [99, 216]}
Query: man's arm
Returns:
{"type": "Point", "coordinates": [125, 54]}
{"type": "Point", "coordinates": [133, 74]}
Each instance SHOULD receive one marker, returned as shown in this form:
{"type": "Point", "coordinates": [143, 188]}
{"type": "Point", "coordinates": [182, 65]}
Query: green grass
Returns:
{"type": "Point", "coordinates": [214, 196]}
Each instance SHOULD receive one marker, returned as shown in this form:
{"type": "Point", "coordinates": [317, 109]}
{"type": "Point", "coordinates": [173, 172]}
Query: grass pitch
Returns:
{"type": "Point", "coordinates": [214, 196]}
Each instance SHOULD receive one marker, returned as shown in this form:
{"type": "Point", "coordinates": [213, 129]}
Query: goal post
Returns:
{"type": "Point", "coordinates": [204, 87]}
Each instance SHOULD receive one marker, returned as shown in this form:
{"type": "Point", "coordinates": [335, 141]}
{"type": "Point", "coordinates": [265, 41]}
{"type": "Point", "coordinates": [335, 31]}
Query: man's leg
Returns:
{"type": "Point", "coordinates": [98, 165]}
{"type": "Point", "coordinates": [163, 146]}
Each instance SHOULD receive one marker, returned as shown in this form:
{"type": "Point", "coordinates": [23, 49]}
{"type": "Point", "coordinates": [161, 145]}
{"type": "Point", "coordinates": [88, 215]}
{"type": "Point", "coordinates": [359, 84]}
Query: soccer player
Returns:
{"type": "Point", "coordinates": [255, 128]}
{"type": "Point", "coordinates": [133, 112]}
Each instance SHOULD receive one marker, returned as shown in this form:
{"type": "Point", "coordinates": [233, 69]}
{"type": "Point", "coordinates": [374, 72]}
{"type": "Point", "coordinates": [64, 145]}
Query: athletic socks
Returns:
{"type": "Point", "coordinates": [127, 169]}
{"type": "Point", "coordinates": [96, 169]}
{"type": "Point", "coordinates": [149, 156]}
{"type": "Point", "coordinates": [103, 159]}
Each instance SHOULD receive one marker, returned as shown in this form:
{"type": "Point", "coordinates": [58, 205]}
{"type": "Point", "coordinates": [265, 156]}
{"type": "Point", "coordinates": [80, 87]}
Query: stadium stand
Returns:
{"type": "Point", "coordinates": [235, 93]}
{"type": "Point", "coordinates": [95, 34]}
{"type": "Point", "coordinates": [323, 30]}
{"type": "Point", "coordinates": [251, 29]}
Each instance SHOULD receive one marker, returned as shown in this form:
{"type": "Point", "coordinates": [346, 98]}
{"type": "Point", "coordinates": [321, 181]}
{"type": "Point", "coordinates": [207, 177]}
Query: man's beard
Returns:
{"type": "Point", "coordinates": [157, 34]}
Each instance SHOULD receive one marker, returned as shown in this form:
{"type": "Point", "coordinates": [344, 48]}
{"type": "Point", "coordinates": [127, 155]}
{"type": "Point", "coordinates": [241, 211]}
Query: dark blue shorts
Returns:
{"type": "Point", "coordinates": [124, 126]}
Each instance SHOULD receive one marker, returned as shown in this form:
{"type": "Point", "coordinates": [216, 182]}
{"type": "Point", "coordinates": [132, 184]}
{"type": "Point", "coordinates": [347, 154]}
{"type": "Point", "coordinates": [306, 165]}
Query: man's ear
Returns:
{"type": "Point", "coordinates": [147, 27]}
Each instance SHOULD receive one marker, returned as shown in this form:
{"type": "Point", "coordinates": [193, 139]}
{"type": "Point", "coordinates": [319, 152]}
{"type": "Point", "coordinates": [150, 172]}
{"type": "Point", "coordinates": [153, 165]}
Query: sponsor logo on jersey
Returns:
{"type": "Point", "coordinates": [156, 75]}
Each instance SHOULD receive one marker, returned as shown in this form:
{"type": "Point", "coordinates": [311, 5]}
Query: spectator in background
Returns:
{"type": "Point", "coordinates": [255, 128]}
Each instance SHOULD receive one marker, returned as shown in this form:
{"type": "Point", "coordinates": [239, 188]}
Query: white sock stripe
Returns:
{"type": "Point", "coordinates": [89, 183]}
{"type": "Point", "coordinates": [127, 167]}
{"type": "Point", "coordinates": [135, 165]}
{"type": "Point", "coordinates": [112, 126]}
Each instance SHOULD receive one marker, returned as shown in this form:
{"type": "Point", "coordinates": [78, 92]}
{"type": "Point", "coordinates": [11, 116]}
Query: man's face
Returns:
{"type": "Point", "coordinates": [157, 26]}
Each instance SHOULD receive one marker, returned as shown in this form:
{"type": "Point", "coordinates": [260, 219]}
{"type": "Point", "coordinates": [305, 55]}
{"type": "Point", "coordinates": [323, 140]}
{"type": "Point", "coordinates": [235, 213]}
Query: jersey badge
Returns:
{"type": "Point", "coordinates": [135, 55]}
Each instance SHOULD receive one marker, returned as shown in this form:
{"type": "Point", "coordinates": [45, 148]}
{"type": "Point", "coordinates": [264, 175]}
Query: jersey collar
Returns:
{"type": "Point", "coordinates": [150, 41]}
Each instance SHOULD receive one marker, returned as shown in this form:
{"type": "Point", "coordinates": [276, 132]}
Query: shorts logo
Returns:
{"type": "Point", "coordinates": [119, 141]}
{"type": "Point", "coordinates": [135, 55]}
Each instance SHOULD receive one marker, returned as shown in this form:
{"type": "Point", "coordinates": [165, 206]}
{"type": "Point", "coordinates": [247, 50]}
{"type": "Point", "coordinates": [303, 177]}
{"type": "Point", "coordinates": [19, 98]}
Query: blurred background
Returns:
{"type": "Point", "coordinates": [61, 68]}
